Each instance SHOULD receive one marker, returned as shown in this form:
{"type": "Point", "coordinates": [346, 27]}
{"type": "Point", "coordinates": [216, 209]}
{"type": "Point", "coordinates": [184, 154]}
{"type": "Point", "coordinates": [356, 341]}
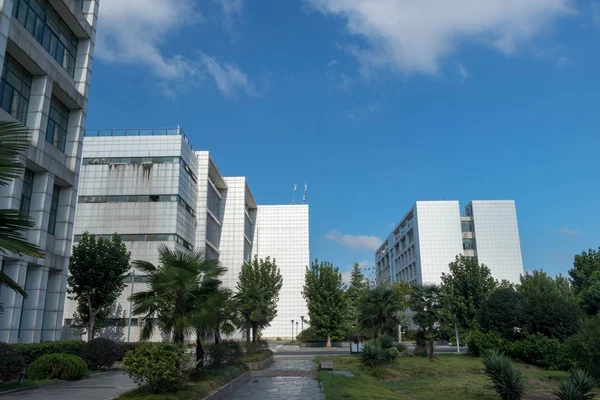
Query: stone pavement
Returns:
{"type": "Point", "coordinates": [289, 379]}
{"type": "Point", "coordinates": [101, 387]}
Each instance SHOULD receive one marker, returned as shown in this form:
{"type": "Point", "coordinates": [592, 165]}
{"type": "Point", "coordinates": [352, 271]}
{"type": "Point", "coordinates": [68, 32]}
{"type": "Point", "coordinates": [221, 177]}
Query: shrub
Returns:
{"type": "Point", "coordinates": [507, 380]}
{"type": "Point", "coordinates": [57, 366]}
{"type": "Point", "coordinates": [12, 362]}
{"type": "Point", "coordinates": [401, 348]}
{"type": "Point", "coordinates": [421, 344]}
{"type": "Point", "coordinates": [227, 352]}
{"type": "Point", "coordinates": [584, 347]}
{"type": "Point", "coordinates": [159, 366]}
{"type": "Point", "coordinates": [279, 339]}
{"type": "Point", "coordinates": [542, 351]}
{"type": "Point", "coordinates": [386, 342]}
{"type": "Point", "coordinates": [375, 354]}
{"type": "Point", "coordinates": [256, 347]}
{"type": "Point", "coordinates": [124, 348]}
{"type": "Point", "coordinates": [33, 351]}
{"type": "Point", "coordinates": [577, 386]}
{"type": "Point", "coordinates": [263, 355]}
{"type": "Point", "coordinates": [478, 341]}
{"type": "Point", "coordinates": [100, 353]}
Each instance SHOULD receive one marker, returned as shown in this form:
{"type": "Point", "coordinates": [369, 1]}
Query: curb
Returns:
{"type": "Point", "coordinates": [226, 391]}
{"type": "Point", "coordinates": [258, 365]}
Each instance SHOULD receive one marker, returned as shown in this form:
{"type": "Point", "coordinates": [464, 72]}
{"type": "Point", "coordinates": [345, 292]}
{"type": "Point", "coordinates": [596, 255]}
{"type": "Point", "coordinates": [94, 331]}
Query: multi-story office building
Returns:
{"type": "Point", "coordinates": [433, 233]}
{"type": "Point", "coordinates": [46, 51]}
{"type": "Point", "coordinates": [152, 187]}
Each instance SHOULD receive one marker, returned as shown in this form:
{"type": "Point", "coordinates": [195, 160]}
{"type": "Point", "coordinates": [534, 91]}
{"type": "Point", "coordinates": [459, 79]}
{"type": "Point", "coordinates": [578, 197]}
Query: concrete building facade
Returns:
{"type": "Point", "coordinates": [433, 233]}
{"type": "Point", "coordinates": [153, 188]}
{"type": "Point", "coordinates": [46, 51]}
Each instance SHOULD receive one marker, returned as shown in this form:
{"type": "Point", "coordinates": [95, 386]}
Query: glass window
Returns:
{"type": "Point", "coordinates": [213, 231]}
{"type": "Point", "coordinates": [53, 210]}
{"type": "Point", "coordinates": [58, 120]}
{"type": "Point", "coordinates": [468, 244]}
{"type": "Point", "coordinates": [211, 254]}
{"type": "Point", "coordinates": [15, 88]}
{"type": "Point", "coordinates": [26, 192]}
{"type": "Point", "coordinates": [213, 201]}
{"type": "Point", "coordinates": [467, 226]}
{"type": "Point", "coordinates": [49, 29]}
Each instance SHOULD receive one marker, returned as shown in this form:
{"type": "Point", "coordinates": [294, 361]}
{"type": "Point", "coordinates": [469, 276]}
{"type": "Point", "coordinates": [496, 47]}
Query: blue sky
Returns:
{"type": "Point", "coordinates": [374, 104]}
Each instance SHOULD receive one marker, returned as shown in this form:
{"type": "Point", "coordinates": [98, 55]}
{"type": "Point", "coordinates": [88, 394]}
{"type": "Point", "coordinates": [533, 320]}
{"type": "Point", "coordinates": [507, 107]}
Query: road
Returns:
{"type": "Point", "coordinates": [289, 350]}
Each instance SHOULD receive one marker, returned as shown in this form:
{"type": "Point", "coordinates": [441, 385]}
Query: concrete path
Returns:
{"type": "Point", "coordinates": [289, 379]}
{"type": "Point", "coordinates": [102, 387]}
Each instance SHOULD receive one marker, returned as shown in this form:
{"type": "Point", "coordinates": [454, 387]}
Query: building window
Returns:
{"type": "Point", "coordinates": [466, 226]}
{"type": "Point", "coordinates": [149, 237]}
{"type": "Point", "coordinates": [138, 199]}
{"type": "Point", "coordinates": [58, 120]}
{"type": "Point", "coordinates": [213, 231]}
{"type": "Point", "coordinates": [468, 244]}
{"type": "Point", "coordinates": [213, 200]}
{"type": "Point", "coordinates": [15, 89]}
{"type": "Point", "coordinates": [211, 254]}
{"type": "Point", "coordinates": [26, 192]}
{"type": "Point", "coordinates": [130, 160]}
{"type": "Point", "coordinates": [49, 29]}
{"type": "Point", "coordinates": [53, 210]}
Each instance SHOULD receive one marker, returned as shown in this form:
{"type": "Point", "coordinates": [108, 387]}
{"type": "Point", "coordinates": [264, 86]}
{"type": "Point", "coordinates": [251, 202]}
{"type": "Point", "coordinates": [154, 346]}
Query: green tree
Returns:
{"type": "Point", "coordinates": [14, 140]}
{"type": "Point", "coordinates": [586, 267]}
{"type": "Point", "coordinates": [357, 288]}
{"type": "Point", "coordinates": [179, 287]}
{"type": "Point", "coordinates": [503, 312]}
{"type": "Point", "coordinates": [326, 300]}
{"type": "Point", "coordinates": [428, 311]}
{"type": "Point", "coordinates": [381, 310]}
{"type": "Point", "coordinates": [258, 287]}
{"type": "Point", "coordinates": [550, 305]}
{"type": "Point", "coordinates": [584, 347]}
{"type": "Point", "coordinates": [589, 298]}
{"type": "Point", "coordinates": [465, 288]}
{"type": "Point", "coordinates": [96, 278]}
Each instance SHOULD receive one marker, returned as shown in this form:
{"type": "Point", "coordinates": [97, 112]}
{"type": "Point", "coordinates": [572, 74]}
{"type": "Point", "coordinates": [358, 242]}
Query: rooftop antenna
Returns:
{"type": "Point", "coordinates": [304, 195]}
{"type": "Point", "coordinates": [294, 199]}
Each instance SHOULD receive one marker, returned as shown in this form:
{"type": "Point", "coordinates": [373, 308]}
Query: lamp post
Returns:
{"type": "Point", "coordinates": [292, 331]}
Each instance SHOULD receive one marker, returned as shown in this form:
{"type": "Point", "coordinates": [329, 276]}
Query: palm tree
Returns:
{"type": "Point", "coordinates": [14, 140]}
{"type": "Point", "coordinates": [178, 287]}
{"type": "Point", "coordinates": [428, 311]}
{"type": "Point", "coordinates": [381, 309]}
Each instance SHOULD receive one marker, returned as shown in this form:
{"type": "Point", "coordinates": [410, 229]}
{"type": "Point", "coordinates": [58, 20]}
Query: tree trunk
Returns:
{"type": "Point", "coordinates": [328, 341]}
{"type": "Point", "coordinates": [178, 337]}
{"type": "Point", "coordinates": [431, 349]}
{"type": "Point", "coordinates": [254, 332]}
{"type": "Point", "coordinates": [217, 336]}
{"type": "Point", "coordinates": [199, 351]}
{"type": "Point", "coordinates": [248, 335]}
{"type": "Point", "coordinates": [91, 328]}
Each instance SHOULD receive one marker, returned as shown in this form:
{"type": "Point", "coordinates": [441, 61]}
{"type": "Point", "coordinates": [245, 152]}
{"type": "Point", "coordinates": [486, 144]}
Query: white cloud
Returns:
{"type": "Point", "coordinates": [332, 63]}
{"type": "Point", "coordinates": [359, 113]}
{"type": "Point", "coordinates": [360, 242]}
{"type": "Point", "coordinates": [136, 32]}
{"type": "Point", "coordinates": [415, 36]}
{"type": "Point", "coordinates": [232, 10]}
{"type": "Point", "coordinates": [462, 71]}
{"type": "Point", "coordinates": [568, 231]}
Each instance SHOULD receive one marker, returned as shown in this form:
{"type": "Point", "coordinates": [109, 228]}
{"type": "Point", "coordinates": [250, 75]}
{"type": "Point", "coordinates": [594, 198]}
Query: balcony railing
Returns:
{"type": "Point", "coordinates": [139, 132]}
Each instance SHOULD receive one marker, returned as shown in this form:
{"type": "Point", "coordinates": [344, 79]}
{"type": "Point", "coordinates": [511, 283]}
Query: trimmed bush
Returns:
{"type": "Point", "coordinates": [227, 352]}
{"type": "Point", "coordinates": [159, 366]}
{"type": "Point", "coordinates": [33, 351]}
{"type": "Point", "coordinates": [57, 366]}
{"type": "Point", "coordinates": [478, 341]}
{"type": "Point", "coordinates": [584, 347]}
{"type": "Point", "coordinates": [506, 379]}
{"type": "Point", "coordinates": [12, 362]}
{"type": "Point", "coordinates": [577, 386]}
{"type": "Point", "coordinates": [263, 355]}
{"type": "Point", "coordinates": [100, 353]}
{"type": "Point", "coordinates": [386, 341]}
{"type": "Point", "coordinates": [124, 348]}
{"type": "Point", "coordinates": [255, 347]}
{"type": "Point", "coordinates": [375, 354]}
{"type": "Point", "coordinates": [542, 351]}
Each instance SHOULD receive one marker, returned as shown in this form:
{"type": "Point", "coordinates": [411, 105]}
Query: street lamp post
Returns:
{"type": "Point", "coordinates": [292, 331]}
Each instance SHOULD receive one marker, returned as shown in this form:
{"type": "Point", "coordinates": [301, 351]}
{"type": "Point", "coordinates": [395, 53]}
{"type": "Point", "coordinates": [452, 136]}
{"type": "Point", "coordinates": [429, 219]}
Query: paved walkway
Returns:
{"type": "Point", "coordinates": [102, 387]}
{"type": "Point", "coordinates": [291, 379]}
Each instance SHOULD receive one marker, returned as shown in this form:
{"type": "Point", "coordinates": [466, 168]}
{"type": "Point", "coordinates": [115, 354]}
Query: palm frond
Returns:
{"type": "Point", "coordinates": [14, 140]}
{"type": "Point", "coordinates": [13, 227]}
{"type": "Point", "coordinates": [5, 280]}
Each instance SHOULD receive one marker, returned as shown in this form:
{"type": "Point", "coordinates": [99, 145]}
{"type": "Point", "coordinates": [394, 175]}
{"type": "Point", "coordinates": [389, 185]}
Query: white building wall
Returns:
{"type": "Point", "coordinates": [497, 238]}
{"type": "Point", "coordinates": [282, 233]}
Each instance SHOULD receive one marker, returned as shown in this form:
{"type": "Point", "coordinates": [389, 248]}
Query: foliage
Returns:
{"type": "Point", "coordinates": [12, 362]}
{"type": "Point", "coordinates": [33, 351]}
{"type": "Point", "coordinates": [354, 293]}
{"type": "Point", "coordinates": [478, 342]}
{"type": "Point", "coordinates": [550, 306]}
{"type": "Point", "coordinates": [258, 287]}
{"type": "Point", "coordinates": [584, 347]}
{"type": "Point", "coordinates": [401, 348]}
{"type": "Point", "coordinates": [227, 352]}
{"type": "Point", "coordinates": [57, 366]}
{"type": "Point", "coordinates": [256, 346]}
{"type": "Point", "coordinates": [577, 386]}
{"type": "Point", "coordinates": [428, 312]}
{"type": "Point", "coordinates": [585, 268]}
{"type": "Point", "coordinates": [160, 366]}
{"type": "Point", "coordinates": [260, 356]}
{"type": "Point", "coordinates": [326, 300]}
{"type": "Point", "coordinates": [310, 335]}
{"type": "Point", "coordinates": [378, 352]}
{"type": "Point", "coordinates": [465, 288]}
{"type": "Point", "coordinates": [96, 270]}
{"type": "Point", "coordinates": [506, 379]}
{"type": "Point", "coordinates": [100, 353]}
{"type": "Point", "coordinates": [589, 298]}
{"type": "Point", "coordinates": [540, 350]}
{"type": "Point", "coordinates": [381, 310]}
{"type": "Point", "coordinates": [503, 312]}
{"type": "Point", "coordinates": [124, 348]}
{"type": "Point", "coordinates": [421, 344]}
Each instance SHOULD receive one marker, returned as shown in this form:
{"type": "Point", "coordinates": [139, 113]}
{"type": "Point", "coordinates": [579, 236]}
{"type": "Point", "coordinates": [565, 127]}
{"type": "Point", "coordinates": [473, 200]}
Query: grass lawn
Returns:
{"type": "Point", "coordinates": [26, 383]}
{"type": "Point", "coordinates": [200, 385]}
{"type": "Point", "coordinates": [449, 377]}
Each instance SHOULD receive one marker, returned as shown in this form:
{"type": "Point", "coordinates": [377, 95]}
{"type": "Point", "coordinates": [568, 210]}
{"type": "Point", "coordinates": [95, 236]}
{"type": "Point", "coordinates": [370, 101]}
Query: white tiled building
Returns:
{"type": "Point", "coordinates": [152, 187]}
{"type": "Point", "coordinates": [46, 51]}
{"type": "Point", "coordinates": [433, 233]}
